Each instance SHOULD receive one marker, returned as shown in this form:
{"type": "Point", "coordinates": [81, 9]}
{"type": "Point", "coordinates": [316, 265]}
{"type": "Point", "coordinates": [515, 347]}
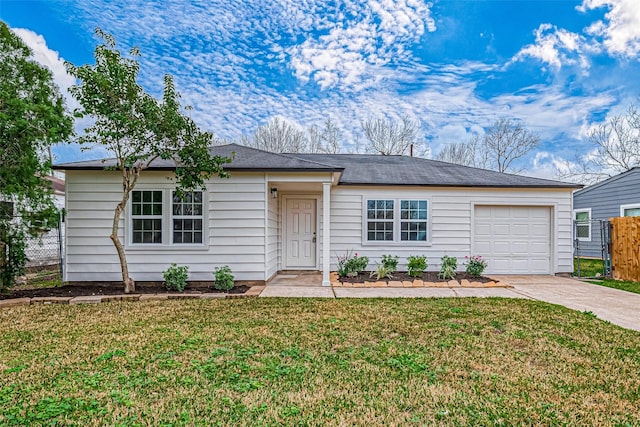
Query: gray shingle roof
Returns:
{"type": "Point", "coordinates": [372, 169]}
{"type": "Point", "coordinates": [357, 169]}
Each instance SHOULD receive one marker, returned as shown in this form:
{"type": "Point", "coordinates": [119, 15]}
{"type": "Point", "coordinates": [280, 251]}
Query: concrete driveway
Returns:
{"type": "Point", "coordinates": [618, 307]}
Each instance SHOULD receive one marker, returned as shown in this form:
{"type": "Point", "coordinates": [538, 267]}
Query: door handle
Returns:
{"type": "Point", "coordinates": [314, 237]}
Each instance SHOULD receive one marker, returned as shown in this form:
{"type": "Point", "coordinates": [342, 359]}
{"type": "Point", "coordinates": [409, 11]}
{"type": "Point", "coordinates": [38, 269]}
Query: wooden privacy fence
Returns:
{"type": "Point", "coordinates": [625, 248]}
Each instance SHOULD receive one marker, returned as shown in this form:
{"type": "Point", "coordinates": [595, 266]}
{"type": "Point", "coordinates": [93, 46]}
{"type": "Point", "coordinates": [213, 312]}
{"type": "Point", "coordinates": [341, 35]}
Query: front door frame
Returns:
{"type": "Point", "coordinates": [283, 230]}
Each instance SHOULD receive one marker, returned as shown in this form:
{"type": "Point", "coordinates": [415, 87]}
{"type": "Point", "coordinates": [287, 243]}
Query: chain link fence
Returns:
{"type": "Point", "coordinates": [592, 248]}
{"type": "Point", "coordinates": [45, 251]}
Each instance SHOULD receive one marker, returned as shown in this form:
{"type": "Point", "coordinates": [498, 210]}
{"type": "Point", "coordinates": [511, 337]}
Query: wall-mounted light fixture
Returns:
{"type": "Point", "coordinates": [274, 192]}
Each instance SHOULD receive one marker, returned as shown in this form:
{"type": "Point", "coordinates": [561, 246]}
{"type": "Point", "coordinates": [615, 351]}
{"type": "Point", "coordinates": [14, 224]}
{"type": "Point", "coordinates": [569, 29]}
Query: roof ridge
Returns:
{"type": "Point", "coordinates": [605, 181]}
{"type": "Point", "coordinates": [287, 155]}
{"type": "Point", "coordinates": [293, 156]}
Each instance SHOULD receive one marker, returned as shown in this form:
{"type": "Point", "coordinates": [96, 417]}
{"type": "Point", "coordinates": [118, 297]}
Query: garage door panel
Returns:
{"type": "Point", "coordinates": [539, 248]}
{"type": "Point", "coordinates": [483, 247]}
{"type": "Point", "coordinates": [500, 230]}
{"type": "Point", "coordinates": [520, 230]}
{"type": "Point", "coordinates": [514, 239]}
{"type": "Point", "coordinates": [520, 248]}
{"type": "Point", "coordinates": [540, 231]}
{"type": "Point", "coordinates": [500, 212]}
{"type": "Point", "coordinates": [483, 230]}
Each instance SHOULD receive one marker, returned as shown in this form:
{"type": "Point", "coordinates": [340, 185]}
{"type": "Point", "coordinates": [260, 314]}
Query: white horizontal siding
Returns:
{"type": "Point", "coordinates": [235, 229]}
{"type": "Point", "coordinates": [450, 223]}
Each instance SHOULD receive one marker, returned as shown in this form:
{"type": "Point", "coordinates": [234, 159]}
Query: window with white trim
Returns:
{"type": "Point", "coordinates": [187, 217]}
{"type": "Point", "coordinates": [146, 217]}
{"type": "Point", "coordinates": [413, 220]}
{"type": "Point", "coordinates": [380, 220]}
{"type": "Point", "coordinates": [583, 224]}
{"type": "Point", "coordinates": [396, 220]}
{"type": "Point", "coordinates": [630, 210]}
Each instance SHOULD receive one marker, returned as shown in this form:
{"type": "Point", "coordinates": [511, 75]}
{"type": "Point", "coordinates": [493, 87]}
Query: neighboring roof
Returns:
{"type": "Point", "coordinates": [357, 169]}
{"type": "Point", "coordinates": [57, 184]}
{"type": "Point", "coordinates": [607, 181]}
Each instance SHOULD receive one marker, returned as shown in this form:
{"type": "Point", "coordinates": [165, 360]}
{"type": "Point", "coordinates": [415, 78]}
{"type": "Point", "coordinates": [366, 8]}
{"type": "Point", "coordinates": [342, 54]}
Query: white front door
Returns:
{"type": "Point", "coordinates": [301, 233]}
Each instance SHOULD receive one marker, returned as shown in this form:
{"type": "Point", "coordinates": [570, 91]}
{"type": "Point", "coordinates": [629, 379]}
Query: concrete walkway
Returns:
{"type": "Point", "coordinates": [618, 307]}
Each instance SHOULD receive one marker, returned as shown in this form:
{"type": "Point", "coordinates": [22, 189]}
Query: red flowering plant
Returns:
{"type": "Point", "coordinates": [351, 265]}
{"type": "Point", "coordinates": [475, 265]}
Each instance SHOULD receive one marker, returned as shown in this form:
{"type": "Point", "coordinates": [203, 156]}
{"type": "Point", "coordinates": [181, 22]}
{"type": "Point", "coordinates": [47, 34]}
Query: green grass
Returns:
{"type": "Point", "coordinates": [316, 362]}
{"type": "Point", "coordinates": [588, 267]}
{"type": "Point", "coordinates": [619, 284]}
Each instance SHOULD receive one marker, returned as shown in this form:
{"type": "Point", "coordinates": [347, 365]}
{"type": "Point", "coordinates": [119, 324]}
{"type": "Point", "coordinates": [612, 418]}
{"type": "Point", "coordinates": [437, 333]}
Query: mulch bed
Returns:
{"type": "Point", "coordinates": [77, 290]}
{"type": "Point", "coordinates": [428, 276]}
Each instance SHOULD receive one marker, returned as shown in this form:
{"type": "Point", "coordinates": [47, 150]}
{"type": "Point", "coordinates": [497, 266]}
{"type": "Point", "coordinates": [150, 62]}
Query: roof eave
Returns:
{"type": "Point", "coordinates": [170, 169]}
{"type": "Point", "coordinates": [361, 184]}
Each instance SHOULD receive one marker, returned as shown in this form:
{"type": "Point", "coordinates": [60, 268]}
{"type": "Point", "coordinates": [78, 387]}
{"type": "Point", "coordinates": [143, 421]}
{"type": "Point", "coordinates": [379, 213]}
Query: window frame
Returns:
{"type": "Point", "coordinates": [143, 217]}
{"type": "Point", "coordinates": [628, 206]}
{"type": "Point", "coordinates": [383, 220]}
{"type": "Point", "coordinates": [173, 217]}
{"type": "Point", "coordinates": [167, 223]}
{"type": "Point", "coordinates": [397, 221]}
{"type": "Point", "coordinates": [577, 211]}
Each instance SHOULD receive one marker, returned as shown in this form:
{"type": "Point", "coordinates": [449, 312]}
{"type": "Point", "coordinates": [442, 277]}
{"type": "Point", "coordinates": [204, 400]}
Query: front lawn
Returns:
{"type": "Point", "coordinates": [316, 362]}
{"type": "Point", "coordinates": [619, 284]}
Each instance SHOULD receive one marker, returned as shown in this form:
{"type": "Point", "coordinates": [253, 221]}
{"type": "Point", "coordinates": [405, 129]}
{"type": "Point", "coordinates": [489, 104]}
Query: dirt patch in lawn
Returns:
{"type": "Point", "coordinates": [428, 276]}
{"type": "Point", "coordinates": [93, 288]}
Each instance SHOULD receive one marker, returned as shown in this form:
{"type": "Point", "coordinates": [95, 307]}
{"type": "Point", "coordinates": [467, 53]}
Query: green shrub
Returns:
{"type": "Point", "coordinates": [475, 265]}
{"type": "Point", "coordinates": [175, 277]}
{"type": "Point", "coordinates": [448, 268]}
{"type": "Point", "coordinates": [390, 262]}
{"type": "Point", "coordinates": [223, 278]}
{"type": "Point", "coordinates": [349, 265]}
{"type": "Point", "coordinates": [416, 265]}
{"type": "Point", "coordinates": [382, 272]}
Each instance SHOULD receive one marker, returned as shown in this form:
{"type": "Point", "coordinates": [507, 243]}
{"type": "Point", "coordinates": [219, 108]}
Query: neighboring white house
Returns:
{"type": "Point", "coordinates": [44, 249]}
{"type": "Point", "coordinates": [299, 211]}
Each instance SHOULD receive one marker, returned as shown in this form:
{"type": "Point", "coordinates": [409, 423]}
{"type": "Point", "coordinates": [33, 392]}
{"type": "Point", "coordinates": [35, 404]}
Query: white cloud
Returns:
{"type": "Point", "coordinates": [620, 29]}
{"type": "Point", "coordinates": [557, 47]}
{"type": "Point", "coordinates": [50, 59]}
{"type": "Point", "coordinates": [352, 51]}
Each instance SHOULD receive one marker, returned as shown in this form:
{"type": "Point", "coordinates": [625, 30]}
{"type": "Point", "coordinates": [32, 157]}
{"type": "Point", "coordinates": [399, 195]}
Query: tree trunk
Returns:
{"type": "Point", "coordinates": [128, 282]}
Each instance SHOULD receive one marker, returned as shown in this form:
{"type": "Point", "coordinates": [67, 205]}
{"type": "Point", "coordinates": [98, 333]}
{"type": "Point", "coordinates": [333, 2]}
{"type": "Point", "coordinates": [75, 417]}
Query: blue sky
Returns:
{"type": "Point", "coordinates": [559, 66]}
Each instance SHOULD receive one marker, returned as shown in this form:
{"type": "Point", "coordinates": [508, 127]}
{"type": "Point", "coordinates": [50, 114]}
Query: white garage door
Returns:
{"type": "Point", "coordinates": [513, 239]}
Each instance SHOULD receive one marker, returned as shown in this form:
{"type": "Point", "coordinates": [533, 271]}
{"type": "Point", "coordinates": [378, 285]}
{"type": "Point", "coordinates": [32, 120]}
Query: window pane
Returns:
{"type": "Point", "coordinates": [582, 216]}
{"type": "Point", "coordinates": [632, 212]}
{"type": "Point", "coordinates": [197, 237]}
{"type": "Point", "coordinates": [582, 231]}
{"type": "Point", "coordinates": [146, 196]}
{"type": "Point", "coordinates": [136, 209]}
{"type": "Point", "coordinates": [157, 196]}
{"type": "Point", "coordinates": [146, 209]}
{"type": "Point", "coordinates": [382, 230]}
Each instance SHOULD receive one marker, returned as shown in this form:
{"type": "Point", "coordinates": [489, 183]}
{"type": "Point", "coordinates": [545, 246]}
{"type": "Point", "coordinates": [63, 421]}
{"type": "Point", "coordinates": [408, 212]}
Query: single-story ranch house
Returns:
{"type": "Point", "coordinates": [299, 211]}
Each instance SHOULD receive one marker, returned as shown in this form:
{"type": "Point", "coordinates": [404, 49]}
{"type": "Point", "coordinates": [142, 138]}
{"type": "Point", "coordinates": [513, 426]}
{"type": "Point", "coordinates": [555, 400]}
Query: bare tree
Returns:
{"type": "Point", "coordinates": [616, 149]}
{"type": "Point", "coordinates": [325, 140]}
{"type": "Point", "coordinates": [504, 143]}
{"type": "Point", "coordinates": [277, 136]}
{"type": "Point", "coordinates": [391, 137]}
{"type": "Point", "coordinates": [461, 153]}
